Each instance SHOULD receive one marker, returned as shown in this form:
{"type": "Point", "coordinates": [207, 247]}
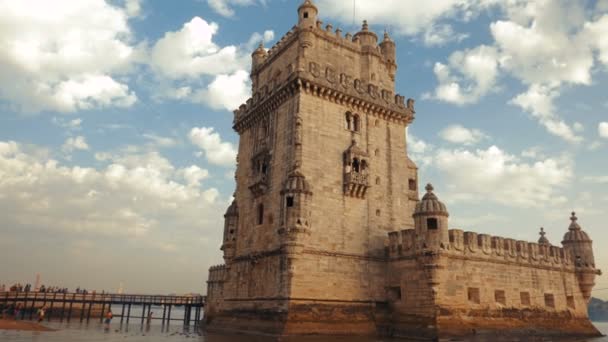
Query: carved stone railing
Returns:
{"type": "Point", "coordinates": [259, 185]}
{"type": "Point", "coordinates": [356, 184]}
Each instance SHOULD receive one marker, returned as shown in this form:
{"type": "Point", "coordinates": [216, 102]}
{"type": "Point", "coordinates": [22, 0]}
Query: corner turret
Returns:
{"type": "Point", "coordinates": [431, 221]}
{"type": "Point", "coordinates": [307, 14]}
{"type": "Point", "coordinates": [295, 208]}
{"type": "Point", "coordinates": [579, 245]}
{"type": "Point", "coordinates": [258, 57]}
{"type": "Point", "coordinates": [366, 37]}
{"type": "Point", "coordinates": [231, 219]}
{"type": "Point", "coordinates": [389, 52]}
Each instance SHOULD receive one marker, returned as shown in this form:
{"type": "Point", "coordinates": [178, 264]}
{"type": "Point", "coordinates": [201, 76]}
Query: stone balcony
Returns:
{"type": "Point", "coordinates": [260, 185]}
{"type": "Point", "coordinates": [356, 184]}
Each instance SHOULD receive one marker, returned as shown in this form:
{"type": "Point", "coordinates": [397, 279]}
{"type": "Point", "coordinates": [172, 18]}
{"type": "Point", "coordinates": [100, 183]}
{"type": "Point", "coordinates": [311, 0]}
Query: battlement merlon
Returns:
{"type": "Point", "coordinates": [492, 248]}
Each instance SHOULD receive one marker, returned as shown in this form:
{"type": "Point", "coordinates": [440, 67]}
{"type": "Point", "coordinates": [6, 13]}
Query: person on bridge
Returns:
{"type": "Point", "coordinates": [109, 317]}
{"type": "Point", "coordinates": [41, 313]}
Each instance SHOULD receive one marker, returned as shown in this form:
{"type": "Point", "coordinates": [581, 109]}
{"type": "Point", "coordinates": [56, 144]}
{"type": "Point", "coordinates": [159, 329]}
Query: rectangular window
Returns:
{"type": "Point", "coordinates": [394, 293]}
{"type": "Point", "coordinates": [500, 297]}
{"type": "Point", "coordinates": [260, 214]}
{"type": "Point", "coordinates": [570, 300]}
{"type": "Point", "coordinates": [549, 300]}
{"type": "Point", "coordinates": [432, 223]}
{"type": "Point", "coordinates": [525, 298]}
{"type": "Point", "coordinates": [473, 295]}
{"type": "Point", "coordinates": [289, 202]}
{"type": "Point", "coordinates": [412, 184]}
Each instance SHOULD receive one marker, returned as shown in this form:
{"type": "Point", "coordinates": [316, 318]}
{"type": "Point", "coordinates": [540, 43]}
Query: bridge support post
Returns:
{"type": "Point", "coordinates": [128, 313]}
{"type": "Point", "coordinates": [62, 308]}
{"type": "Point", "coordinates": [33, 306]}
{"type": "Point", "coordinates": [70, 309]}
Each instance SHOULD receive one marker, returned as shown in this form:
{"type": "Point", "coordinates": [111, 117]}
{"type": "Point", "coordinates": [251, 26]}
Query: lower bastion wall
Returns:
{"type": "Point", "coordinates": [480, 283]}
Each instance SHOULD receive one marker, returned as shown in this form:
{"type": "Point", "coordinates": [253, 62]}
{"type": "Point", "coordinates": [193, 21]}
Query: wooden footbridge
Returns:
{"type": "Point", "coordinates": [69, 306]}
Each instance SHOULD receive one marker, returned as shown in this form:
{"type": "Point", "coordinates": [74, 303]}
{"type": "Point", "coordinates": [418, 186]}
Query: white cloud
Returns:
{"type": "Point", "coordinates": [74, 124]}
{"type": "Point", "coordinates": [538, 101]}
{"type": "Point", "coordinates": [75, 143]}
{"type": "Point", "coordinates": [48, 60]}
{"type": "Point", "coordinates": [439, 35]}
{"type": "Point", "coordinates": [469, 75]}
{"type": "Point", "coordinates": [224, 7]}
{"type": "Point", "coordinates": [190, 66]}
{"type": "Point", "coordinates": [495, 175]}
{"type": "Point", "coordinates": [135, 195]}
{"type": "Point", "coordinates": [461, 135]}
{"type": "Point", "coordinates": [602, 129]}
{"type": "Point", "coordinates": [216, 151]}
{"type": "Point", "coordinates": [160, 141]}
{"type": "Point", "coordinates": [226, 91]}
{"type": "Point", "coordinates": [191, 52]}
{"type": "Point", "coordinates": [419, 150]}
{"type": "Point", "coordinates": [561, 41]}
{"type": "Point", "coordinates": [407, 17]}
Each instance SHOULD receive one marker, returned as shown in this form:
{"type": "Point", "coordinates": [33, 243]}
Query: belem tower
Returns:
{"type": "Point", "coordinates": [328, 235]}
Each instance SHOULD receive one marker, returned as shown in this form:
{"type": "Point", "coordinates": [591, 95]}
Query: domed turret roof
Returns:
{"type": "Point", "coordinates": [296, 183]}
{"type": "Point", "coordinates": [575, 233]}
{"type": "Point", "coordinates": [260, 50]}
{"type": "Point", "coordinates": [430, 204]}
{"type": "Point", "coordinates": [543, 240]}
{"type": "Point", "coordinates": [308, 4]}
{"type": "Point", "coordinates": [232, 210]}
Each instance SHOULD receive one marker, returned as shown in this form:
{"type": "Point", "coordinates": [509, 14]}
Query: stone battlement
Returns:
{"type": "Point", "coordinates": [493, 248]}
{"type": "Point", "coordinates": [217, 274]}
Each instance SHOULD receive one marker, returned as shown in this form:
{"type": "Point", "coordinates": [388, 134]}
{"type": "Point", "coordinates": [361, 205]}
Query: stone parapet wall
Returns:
{"type": "Point", "coordinates": [486, 247]}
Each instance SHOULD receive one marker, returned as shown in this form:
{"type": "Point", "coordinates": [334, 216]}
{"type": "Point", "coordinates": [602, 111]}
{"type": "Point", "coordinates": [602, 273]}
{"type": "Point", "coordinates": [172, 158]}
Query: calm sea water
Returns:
{"type": "Point", "coordinates": [94, 331]}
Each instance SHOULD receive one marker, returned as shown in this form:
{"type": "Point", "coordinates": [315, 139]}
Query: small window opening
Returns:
{"type": "Point", "coordinates": [570, 300]}
{"type": "Point", "coordinates": [231, 231]}
{"type": "Point", "coordinates": [260, 214]}
{"type": "Point", "coordinates": [356, 123]}
{"type": "Point", "coordinates": [394, 293]}
{"type": "Point", "coordinates": [377, 180]}
{"type": "Point", "coordinates": [356, 165]}
{"type": "Point", "coordinates": [348, 121]}
{"type": "Point", "coordinates": [412, 184]}
{"type": "Point", "coordinates": [289, 202]}
{"type": "Point", "coordinates": [363, 165]}
{"type": "Point", "coordinates": [525, 298]}
{"type": "Point", "coordinates": [473, 295]}
{"type": "Point", "coordinates": [378, 212]}
{"type": "Point", "coordinates": [549, 300]}
{"type": "Point", "coordinates": [377, 152]}
{"type": "Point", "coordinates": [500, 297]}
{"type": "Point", "coordinates": [305, 15]}
{"type": "Point", "coordinates": [431, 223]}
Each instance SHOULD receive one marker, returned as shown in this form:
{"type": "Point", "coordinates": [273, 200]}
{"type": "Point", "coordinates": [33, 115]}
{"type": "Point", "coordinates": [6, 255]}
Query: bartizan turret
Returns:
{"type": "Point", "coordinates": [231, 221]}
{"type": "Point", "coordinates": [431, 221]}
{"type": "Point", "coordinates": [389, 52]}
{"type": "Point", "coordinates": [258, 57]}
{"type": "Point", "coordinates": [579, 245]}
{"type": "Point", "coordinates": [307, 14]}
{"type": "Point", "coordinates": [296, 196]}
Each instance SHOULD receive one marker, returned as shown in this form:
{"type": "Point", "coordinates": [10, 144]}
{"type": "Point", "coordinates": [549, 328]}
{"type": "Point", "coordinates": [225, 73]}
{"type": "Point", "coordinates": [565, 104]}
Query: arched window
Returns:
{"type": "Point", "coordinates": [356, 165]}
{"type": "Point", "coordinates": [431, 223]}
{"type": "Point", "coordinates": [348, 121]}
{"type": "Point", "coordinates": [356, 123]}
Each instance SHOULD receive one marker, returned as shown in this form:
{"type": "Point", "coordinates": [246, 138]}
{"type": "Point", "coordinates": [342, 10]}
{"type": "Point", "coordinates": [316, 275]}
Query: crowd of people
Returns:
{"type": "Point", "coordinates": [43, 289]}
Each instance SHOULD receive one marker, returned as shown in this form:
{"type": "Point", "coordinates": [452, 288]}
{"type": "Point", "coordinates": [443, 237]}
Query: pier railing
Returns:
{"type": "Point", "coordinates": [96, 305]}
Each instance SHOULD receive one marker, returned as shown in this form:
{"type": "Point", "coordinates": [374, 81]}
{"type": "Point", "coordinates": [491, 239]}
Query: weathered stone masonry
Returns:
{"type": "Point", "coordinates": [327, 234]}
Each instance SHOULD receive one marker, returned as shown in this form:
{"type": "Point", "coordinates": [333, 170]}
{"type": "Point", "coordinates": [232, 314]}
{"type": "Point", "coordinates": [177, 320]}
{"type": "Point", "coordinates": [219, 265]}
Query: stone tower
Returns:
{"type": "Point", "coordinates": [322, 177]}
{"type": "Point", "coordinates": [580, 246]}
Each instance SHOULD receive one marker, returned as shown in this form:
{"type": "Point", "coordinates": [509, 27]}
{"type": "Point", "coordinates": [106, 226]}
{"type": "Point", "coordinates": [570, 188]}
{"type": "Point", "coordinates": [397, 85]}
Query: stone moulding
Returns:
{"type": "Point", "coordinates": [250, 113]}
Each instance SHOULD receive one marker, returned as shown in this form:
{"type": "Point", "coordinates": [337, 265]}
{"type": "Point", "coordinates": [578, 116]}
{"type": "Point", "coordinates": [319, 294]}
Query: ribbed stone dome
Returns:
{"type": "Point", "coordinates": [575, 233]}
{"type": "Point", "coordinates": [308, 4]}
{"type": "Point", "coordinates": [296, 183]}
{"type": "Point", "coordinates": [430, 204]}
{"type": "Point", "coordinates": [543, 239]}
{"type": "Point", "coordinates": [232, 210]}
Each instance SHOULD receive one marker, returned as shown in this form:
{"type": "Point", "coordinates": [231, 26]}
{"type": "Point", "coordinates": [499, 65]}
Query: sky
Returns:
{"type": "Point", "coordinates": [117, 154]}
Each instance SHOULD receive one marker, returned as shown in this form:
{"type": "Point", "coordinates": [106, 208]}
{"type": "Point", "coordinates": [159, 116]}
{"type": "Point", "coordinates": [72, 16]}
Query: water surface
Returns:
{"type": "Point", "coordinates": [94, 331]}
